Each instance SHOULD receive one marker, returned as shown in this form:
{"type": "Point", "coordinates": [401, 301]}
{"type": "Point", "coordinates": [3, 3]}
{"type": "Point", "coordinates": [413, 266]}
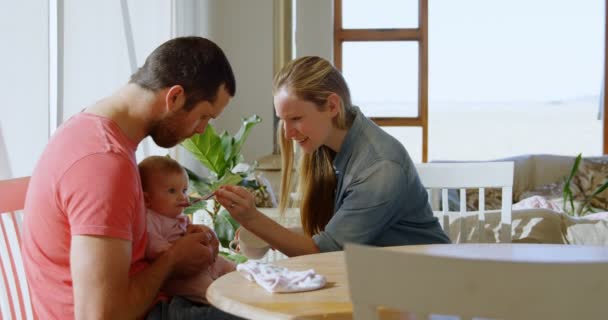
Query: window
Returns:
{"type": "Point", "coordinates": [504, 77]}
{"type": "Point", "coordinates": [382, 52]}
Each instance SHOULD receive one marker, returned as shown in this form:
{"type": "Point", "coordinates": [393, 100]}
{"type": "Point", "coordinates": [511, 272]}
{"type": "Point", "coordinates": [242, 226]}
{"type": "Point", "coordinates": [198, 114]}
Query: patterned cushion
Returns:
{"type": "Point", "coordinates": [591, 174]}
{"type": "Point", "coordinates": [549, 191]}
{"type": "Point", "coordinates": [493, 199]}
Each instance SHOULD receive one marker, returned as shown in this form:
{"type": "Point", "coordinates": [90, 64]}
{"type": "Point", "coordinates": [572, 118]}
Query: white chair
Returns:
{"type": "Point", "coordinates": [14, 292]}
{"type": "Point", "coordinates": [438, 178]}
{"type": "Point", "coordinates": [439, 286]}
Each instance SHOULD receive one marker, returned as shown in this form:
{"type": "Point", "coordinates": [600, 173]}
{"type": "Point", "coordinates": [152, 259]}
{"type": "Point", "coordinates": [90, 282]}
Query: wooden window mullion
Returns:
{"type": "Point", "coordinates": [420, 35]}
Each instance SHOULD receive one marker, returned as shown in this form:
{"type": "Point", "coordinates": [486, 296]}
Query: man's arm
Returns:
{"type": "Point", "coordinates": [103, 288]}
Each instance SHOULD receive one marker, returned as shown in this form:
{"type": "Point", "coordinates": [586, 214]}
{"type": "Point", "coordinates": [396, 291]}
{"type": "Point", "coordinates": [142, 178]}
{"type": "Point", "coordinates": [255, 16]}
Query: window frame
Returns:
{"type": "Point", "coordinates": [419, 35]}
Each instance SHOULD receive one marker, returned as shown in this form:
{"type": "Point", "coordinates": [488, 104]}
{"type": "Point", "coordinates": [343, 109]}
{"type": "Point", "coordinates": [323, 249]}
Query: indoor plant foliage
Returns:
{"type": "Point", "coordinates": [220, 153]}
{"type": "Point", "coordinates": [577, 202]}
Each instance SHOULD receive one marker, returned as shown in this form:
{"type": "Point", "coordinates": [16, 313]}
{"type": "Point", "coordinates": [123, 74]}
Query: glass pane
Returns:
{"type": "Point", "coordinates": [382, 77]}
{"type": "Point", "coordinates": [505, 81]}
{"type": "Point", "coordinates": [411, 138]}
{"type": "Point", "coordinates": [365, 14]}
{"type": "Point", "coordinates": [486, 130]}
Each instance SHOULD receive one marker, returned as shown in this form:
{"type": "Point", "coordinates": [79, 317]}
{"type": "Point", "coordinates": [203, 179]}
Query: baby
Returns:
{"type": "Point", "coordinates": [165, 184]}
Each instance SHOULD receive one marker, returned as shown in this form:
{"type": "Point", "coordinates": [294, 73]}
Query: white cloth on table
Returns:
{"type": "Point", "coordinates": [274, 278]}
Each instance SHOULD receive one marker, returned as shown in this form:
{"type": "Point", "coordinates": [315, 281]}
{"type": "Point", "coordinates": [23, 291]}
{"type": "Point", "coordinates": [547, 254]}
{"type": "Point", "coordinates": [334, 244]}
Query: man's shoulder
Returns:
{"type": "Point", "coordinates": [86, 141]}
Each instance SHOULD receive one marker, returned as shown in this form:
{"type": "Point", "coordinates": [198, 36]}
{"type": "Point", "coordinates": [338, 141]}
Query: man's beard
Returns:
{"type": "Point", "coordinates": [165, 132]}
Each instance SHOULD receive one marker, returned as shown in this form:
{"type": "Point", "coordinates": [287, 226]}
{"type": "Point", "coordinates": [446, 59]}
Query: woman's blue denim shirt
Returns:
{"type": "Point", "coordinates": [379, 198]}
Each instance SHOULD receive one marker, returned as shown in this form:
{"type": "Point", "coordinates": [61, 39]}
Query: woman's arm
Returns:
{"type": "Point", "coordinates": [241, 206]}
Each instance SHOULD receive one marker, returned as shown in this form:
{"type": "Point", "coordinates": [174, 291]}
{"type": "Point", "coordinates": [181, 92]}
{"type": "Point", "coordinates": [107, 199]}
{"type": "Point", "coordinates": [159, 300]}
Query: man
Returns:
{"type": "Point", "coordinates": [84, 233]}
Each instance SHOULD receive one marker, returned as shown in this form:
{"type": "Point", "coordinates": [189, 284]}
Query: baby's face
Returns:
{"type": "Point", "coordinates": [166, 194]}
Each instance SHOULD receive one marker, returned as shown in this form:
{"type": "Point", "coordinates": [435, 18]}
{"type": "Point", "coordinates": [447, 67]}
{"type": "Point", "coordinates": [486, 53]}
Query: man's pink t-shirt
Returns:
{"type": "Point", "coordinates": [85, 183]}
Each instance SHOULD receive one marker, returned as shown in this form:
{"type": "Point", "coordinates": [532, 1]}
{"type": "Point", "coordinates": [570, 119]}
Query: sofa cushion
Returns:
{"type": "Point", "coordinates": [591, 174]}
{"type": "Point", "coordinates": [528, 226]}
{"type": "Point", "coordinates": [493, 199]}
{"type": "Point", "coordinates": [588, 230]}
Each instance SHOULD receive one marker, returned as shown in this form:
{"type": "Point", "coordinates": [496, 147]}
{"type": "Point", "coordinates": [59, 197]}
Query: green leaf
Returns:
{"type": "Point", "coordinates": [198, 184]}
{"type": "Point", "coordinates": [195, 207]}
{"type": "Point", "coordinates": [586, 206]}
{"type": "Point", "coordinates": [233, 222]}
{"type": "Point", "coordinates": [224, 228]}
{"type": "Point", "coordinates": [229, 179]}
{"type": "Point", "coordinates": [200, 187]}
{"type": "Point", "coordinates": [567, 192]}
{"type": "Point", "coordinates": [227, 142]}
{"type": "Point", "coordinates": [234, 257]}
{"type": "Point", "coordinates": [600, 189]}
{"type": "Point", "coordinates": [242, 134]}
{"type": "Point", "coordinates": [207, 148]}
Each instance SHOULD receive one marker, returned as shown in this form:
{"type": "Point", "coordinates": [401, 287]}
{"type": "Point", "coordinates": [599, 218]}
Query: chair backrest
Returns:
{"type": "Point", "coordinates": [425, 284]}
{"type": "Point", "coordinates": [15, 300]}
{"type": "Point", "coordinates": [438, 178]}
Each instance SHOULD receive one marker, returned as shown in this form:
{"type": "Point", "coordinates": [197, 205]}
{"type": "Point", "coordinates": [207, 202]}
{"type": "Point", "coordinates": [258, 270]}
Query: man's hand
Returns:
{"type": "Point", "coordinates": [191, 254]}
{"type": "Point", "coordinates": [213, 242]}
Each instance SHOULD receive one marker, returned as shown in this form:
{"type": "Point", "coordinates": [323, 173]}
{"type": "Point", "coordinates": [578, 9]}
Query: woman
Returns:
{"type": "Point", "coordinates": [357, 183]}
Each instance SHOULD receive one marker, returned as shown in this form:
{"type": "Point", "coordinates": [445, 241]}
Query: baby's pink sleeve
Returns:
{"type": "Point", "coordinates": [157, 244]}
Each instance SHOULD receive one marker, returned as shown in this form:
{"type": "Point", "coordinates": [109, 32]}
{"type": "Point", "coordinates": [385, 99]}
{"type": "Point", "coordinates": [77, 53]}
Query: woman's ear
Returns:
{"type": "Point", "coordinates": [175, 98]}
{"type": "Point", "coordinates": [334, 104]}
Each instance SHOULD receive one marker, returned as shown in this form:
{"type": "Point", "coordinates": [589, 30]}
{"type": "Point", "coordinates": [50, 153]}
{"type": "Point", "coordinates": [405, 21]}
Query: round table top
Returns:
{"type": "Point", "coordinates": [237, 295]}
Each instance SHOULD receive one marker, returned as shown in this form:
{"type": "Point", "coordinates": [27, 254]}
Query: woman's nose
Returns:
{"type": "Point", "coordinates": [288, 130]}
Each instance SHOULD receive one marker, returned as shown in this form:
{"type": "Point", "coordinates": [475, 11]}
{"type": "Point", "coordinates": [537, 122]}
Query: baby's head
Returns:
{"type": "Point", "coordinates": [165, 184]}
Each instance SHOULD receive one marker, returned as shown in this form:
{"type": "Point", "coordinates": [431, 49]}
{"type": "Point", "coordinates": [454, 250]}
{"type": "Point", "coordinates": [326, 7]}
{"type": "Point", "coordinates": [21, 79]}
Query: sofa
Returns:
{"type": "Point", "coordinates": [533, 174]}
{"type": "Point", "coordinates": [537, 216]}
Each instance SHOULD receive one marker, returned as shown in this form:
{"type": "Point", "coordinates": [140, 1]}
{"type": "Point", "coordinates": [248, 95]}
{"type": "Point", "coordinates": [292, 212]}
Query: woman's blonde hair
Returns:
{"type": "Point", "coordinates": [312, 79]}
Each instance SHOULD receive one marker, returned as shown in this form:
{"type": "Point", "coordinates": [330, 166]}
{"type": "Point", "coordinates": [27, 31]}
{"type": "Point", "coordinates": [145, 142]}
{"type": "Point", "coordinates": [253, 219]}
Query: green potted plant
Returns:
{"type": "Point", "coordinates": [220, 154]}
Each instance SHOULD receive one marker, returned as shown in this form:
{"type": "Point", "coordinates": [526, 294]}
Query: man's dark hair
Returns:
{"type": "Point", "coordinates": [195, 63]}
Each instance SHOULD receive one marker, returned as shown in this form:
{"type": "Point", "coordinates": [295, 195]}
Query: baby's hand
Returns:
{"type": "Point", "coordinates": [213, 240]}
{"type": "Point", "coordinates": [193, 228]}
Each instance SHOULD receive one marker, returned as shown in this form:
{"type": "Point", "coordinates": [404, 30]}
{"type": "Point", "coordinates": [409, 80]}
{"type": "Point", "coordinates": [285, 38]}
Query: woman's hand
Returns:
{"type": "Point", "coordinates": [239, 202]}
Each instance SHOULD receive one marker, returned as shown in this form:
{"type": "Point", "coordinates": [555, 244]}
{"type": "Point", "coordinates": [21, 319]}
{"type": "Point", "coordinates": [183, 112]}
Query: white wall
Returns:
{"type": "Point", "coordinates": [96, 63]}
{"type": "Point", "coordinates": [243, 29]}
{"type": "Point", "coordinates": [314, 28]}
{"type": "Point", "coordinates": [23, 84]}
{"type": "Point", "coordinates": [96, 59]}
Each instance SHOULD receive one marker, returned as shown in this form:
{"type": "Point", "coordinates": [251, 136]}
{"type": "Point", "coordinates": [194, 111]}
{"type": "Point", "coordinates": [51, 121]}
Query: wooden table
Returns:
{"type": "Point", "coordinates": [235, 294]}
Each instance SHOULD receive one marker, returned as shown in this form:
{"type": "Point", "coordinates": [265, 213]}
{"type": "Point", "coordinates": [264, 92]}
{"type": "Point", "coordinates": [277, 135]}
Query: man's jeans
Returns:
{"type": "Point", "coordinates": [181, 309]}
